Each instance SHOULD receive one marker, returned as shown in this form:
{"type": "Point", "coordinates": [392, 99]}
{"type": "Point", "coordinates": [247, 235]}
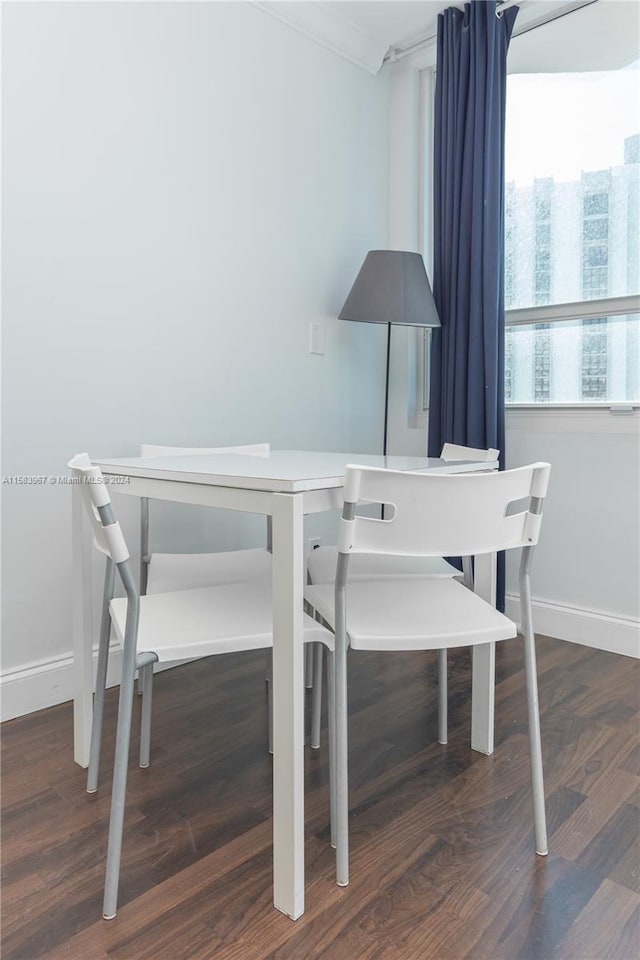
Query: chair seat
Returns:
{"type": "Point", "coordinates": [187, 624]}
{"type": "Point", "coordinates": [413, 614]}
{"type": "Point", "coordinates": [321, 565]}
{"type": "Point", "coordinates": [184, 571]}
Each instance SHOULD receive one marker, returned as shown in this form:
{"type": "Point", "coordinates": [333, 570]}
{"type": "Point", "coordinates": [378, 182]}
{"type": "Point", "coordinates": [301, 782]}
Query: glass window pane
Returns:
{"type": "Point", "coordinates": [572, 187]}
{"type": "Point", "coordinates": [574, 361]}
{"type": "Point", "coordinates": [596, 204]}
{"type": "Point", "coordinates": [596, 255]}
{"type": "Point", "coordinates": [596, 228]}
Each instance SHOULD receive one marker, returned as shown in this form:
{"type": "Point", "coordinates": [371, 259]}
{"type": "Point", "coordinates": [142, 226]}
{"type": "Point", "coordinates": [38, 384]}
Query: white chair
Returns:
{"type": "Point", "coordinates": [182, 571]}
{"type": "Point", "coordinates": [161, 572]}
{"type": "Point", "coordinates": [432, 515]}
{"type": "Point", "coordinates": [159, 627]}
{"type": "Point", "coordinates": [321, 568]}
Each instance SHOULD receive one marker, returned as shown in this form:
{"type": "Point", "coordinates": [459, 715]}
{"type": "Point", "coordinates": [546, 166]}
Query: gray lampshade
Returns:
{"type": "Point", "coordinates": [392, 287]}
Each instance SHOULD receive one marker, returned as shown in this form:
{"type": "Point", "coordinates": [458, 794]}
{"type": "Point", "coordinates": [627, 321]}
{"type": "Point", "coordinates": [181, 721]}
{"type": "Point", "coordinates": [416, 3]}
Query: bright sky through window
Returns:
{"type": "Point", "coordinates": [561, 124]}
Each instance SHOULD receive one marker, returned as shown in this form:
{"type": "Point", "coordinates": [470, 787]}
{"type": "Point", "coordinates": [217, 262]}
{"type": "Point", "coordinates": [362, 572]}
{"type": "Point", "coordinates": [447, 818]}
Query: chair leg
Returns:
{"type": "Point", "coordinates": [119, 790]}
{"type": "Point", "coordinates": [537, 777]}
{"type": "Point", "coordinates": [341, 766]}
{"type": "Point", "coordinates": [145, 679]}
{"type": "Point", "coordinates": [269, 682]}
{"type": "Point", "coordinates": [442, 696]}
{"type": "Point", "coordinates": [98, 715]}
{"type": "Point", "coordinates": [101, 681]}
{"type": "Point", "coordinates": [316, 695]}
{"type": "Point", "coordinates": [331, 707]}
{"type": "Point", "coordinates": [308, 666]}
{"type": "Point", "coordinates": [467, 571]}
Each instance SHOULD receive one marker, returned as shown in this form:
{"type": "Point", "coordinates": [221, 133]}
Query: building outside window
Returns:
{"type": "Point", "coordinates": [543, 196]}
{"type": "Point", "coordinates": [595, 359]}
{"type": "Point", "coordinates": [542, 363]}
{"type": "Point", "coordinates": [595, 235]}
{"type": "Point", "coordinates": [571, 238]}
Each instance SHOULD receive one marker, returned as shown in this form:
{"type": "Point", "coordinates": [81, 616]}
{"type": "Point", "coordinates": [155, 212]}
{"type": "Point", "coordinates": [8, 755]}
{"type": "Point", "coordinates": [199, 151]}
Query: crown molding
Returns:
{"type": "Point", "coordinates": [326, 27]}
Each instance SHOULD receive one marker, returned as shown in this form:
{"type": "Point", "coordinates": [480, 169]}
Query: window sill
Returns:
{"type": "Point", "coordinates": [617, 409]}
{"type": "Point", "coordinates": [573, 418]}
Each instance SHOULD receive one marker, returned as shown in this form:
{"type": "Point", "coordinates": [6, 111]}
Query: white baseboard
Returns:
{"type": "Point", "coordinates": [49, 682]}
{"type": "Point", "coordinates": [592, 628]}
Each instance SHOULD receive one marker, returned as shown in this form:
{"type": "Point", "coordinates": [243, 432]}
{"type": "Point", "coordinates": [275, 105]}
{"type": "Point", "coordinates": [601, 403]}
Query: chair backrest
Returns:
{"type": "Point", "coordinates": [453, 451]}
{"type": "Point", "coordinates": [442, 514]}
{"type": "Point", "coordinates": [251, 449]}
{"type": "Point", "coordinates": [107, 535]}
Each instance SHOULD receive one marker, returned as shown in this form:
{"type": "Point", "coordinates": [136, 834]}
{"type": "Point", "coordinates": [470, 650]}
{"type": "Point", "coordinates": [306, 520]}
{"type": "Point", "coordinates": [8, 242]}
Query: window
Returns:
{"type": "Point", "coordinates": [590, 360]}
{"type": "Point", "coordinates": [572, 227]}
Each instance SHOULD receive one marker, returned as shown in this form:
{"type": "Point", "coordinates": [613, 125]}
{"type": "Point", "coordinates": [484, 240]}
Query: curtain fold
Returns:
{"type": "Point", "coordinates": [467, 352]}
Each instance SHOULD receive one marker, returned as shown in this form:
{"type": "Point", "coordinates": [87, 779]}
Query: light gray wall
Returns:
{"type": "Point", "coordinates": [586, 570]}
{"type": "Point", "coordinates": [185, 188]}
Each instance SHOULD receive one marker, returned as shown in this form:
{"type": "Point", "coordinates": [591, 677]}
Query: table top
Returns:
{"type": "Point", "coordinates": [284, 471]}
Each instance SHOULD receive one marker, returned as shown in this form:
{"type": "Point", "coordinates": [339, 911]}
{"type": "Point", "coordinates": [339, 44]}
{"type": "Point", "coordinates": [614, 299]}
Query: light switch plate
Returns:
{"type": "Point", "coordinates": [316, 338]}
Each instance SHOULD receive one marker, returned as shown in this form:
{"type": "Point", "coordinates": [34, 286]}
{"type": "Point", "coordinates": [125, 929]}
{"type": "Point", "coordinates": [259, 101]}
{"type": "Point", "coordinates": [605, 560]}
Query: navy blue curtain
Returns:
{"type": "Point", "coordinates": [467, 353]}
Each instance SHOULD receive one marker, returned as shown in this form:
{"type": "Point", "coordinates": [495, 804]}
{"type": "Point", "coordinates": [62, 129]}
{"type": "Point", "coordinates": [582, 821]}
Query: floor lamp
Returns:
{"type": "Point", "coordinates": [392, 288]}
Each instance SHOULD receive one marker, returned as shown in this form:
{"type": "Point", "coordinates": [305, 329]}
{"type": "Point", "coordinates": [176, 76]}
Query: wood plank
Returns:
{"type": "Point", "coordinates": [614, 852]}
{"type": "Point", "coordinates": [577, 833]}
{"type": "Point", "coordinates": [608, 927]}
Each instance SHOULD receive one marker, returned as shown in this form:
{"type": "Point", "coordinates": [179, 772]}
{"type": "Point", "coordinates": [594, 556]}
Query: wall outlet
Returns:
{"type": "Point", "coordinates": [313, 544]}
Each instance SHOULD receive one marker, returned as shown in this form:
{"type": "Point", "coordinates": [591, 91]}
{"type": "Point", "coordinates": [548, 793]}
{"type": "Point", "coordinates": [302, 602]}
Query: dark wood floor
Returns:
{"type": "Point", "coordinates": [442, 862]}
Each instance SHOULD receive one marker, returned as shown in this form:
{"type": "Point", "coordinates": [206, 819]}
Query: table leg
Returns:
{"type": "Point", "coordinates": [288, 706]}
{"type": "Point", "coordinates": [82, 620]}
{"type": "Point", "coordinates": [484, 658]}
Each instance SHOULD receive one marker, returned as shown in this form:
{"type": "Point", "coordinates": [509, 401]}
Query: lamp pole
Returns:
{"type": "Point", "coordinates": [386, 392]}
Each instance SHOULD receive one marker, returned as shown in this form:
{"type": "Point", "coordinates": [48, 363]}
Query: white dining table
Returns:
{"type": "Point", "coordinates": [286, 485]}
